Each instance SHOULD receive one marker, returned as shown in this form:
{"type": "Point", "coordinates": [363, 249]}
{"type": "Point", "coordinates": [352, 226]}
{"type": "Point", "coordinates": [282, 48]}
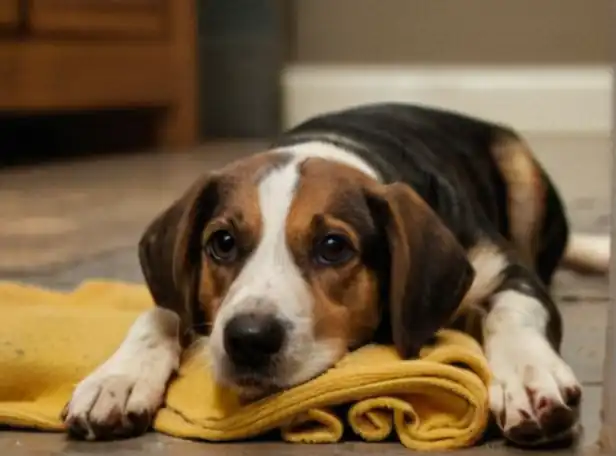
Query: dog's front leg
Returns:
{"type": "Point", "coordinates": [120, 398]}
{"type": "Point", "coordinates": [534, 395]}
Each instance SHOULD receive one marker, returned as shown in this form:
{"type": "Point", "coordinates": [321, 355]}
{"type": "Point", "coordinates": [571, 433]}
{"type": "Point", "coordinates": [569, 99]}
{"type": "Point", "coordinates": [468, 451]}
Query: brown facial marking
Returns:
{"type": "Point", "coordinates": [328, 200]}
{"type": "Point", "coordinates": [426, 269]}
{"type": "Point", "coordinates": [525, 193]}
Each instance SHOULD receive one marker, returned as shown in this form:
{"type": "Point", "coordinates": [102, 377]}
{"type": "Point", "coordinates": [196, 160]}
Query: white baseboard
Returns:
{"type": "Point", "coordinates": [548, 100]}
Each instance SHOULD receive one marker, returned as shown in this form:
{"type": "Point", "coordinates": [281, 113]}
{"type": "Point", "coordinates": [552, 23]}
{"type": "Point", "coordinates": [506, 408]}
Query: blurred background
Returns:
{"type": "Point", "coordinates": [134, 98]}
{"type": "Point", "coordinates": [204, 70]}
{"type": "Point", "coordinates": [110, 108]}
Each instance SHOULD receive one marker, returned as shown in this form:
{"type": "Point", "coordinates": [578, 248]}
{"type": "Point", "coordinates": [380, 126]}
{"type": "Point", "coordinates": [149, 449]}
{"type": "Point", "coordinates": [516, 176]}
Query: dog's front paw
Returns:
{"type": "Point", "coordinates": [535, 397]}
{"type": "Point", "coordinates": [112, 405]}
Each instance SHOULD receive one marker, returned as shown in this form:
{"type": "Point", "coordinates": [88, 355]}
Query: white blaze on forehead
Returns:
{"type": "Point", "coordinates": [328, 151]}
{"type": "Point", "coordinates": [276, 193]}
{"type": "Point", "coordinates": [270, 274]}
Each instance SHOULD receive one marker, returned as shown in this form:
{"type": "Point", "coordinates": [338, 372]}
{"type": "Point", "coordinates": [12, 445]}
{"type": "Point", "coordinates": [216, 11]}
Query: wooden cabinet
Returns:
{"type": "Point", "coordinates": [9, 14]}
{"type": "Point", "coordinates": [102, 54]}
{"type": "Point", "coordinates": [102, 18]}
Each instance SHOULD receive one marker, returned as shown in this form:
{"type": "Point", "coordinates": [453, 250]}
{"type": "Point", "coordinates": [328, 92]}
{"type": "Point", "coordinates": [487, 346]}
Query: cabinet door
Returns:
{"type": "Point", "coordinates": [9, 14]}
{"type": "Point", "coordinates": [99, 18]}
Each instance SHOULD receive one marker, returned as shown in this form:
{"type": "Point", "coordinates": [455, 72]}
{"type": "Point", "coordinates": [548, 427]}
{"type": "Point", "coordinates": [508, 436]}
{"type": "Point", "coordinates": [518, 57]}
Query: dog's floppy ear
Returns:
{"type": "Point", "coordinates": [429, 272]}
{"type": "Point", "coordinates": [170, 250]}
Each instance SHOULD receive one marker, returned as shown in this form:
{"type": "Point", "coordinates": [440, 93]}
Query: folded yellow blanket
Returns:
{"type": "Point", "coordinates": [51, 340]}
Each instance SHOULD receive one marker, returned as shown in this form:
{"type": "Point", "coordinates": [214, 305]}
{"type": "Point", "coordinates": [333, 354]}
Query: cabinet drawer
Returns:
{"type": "Point", "coordinates": [9, 14]}
{"type": "Point", "coordinates": [99, 18]}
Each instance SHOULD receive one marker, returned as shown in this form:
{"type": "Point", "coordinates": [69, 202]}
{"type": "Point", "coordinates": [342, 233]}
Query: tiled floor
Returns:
{"type": "Point", "coordinates": [63, 223]}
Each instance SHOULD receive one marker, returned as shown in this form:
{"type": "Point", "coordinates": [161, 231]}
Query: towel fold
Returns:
{"type": "Point", "coordinates": [51, 340]}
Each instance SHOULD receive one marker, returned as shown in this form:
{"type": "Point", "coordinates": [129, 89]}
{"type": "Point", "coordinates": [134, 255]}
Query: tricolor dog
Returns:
{"type": "Point", "coordinates": [381, 223]}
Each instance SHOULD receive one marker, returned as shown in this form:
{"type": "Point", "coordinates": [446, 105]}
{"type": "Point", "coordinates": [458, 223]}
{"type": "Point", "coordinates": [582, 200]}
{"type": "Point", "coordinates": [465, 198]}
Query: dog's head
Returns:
{"type": "Point", "coordinates": [292, 263]}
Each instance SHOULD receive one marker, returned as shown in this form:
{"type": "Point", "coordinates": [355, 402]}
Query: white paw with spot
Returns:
{"type": "Point", "coordinates": [121, 397]}
{"type": "Point", "coordinates": [534, 394]}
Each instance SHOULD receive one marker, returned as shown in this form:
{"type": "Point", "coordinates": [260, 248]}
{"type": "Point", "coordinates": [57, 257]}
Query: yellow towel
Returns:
{"type": "Point", "coordinates": [50, 340]}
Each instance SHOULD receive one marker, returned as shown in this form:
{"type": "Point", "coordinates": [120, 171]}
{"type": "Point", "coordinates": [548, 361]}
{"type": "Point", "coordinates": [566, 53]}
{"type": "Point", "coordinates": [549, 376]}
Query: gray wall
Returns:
{"type": "Point", "coordinates": [451, 31]}
{"type": "Point", "coordinates": [240, 57]}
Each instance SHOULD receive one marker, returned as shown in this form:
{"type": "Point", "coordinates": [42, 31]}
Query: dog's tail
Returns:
{"type": "Point", "coordinates": [587, 254]}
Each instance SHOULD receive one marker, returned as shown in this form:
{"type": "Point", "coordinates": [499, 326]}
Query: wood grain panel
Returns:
{"type": "Point", "coordinates": [45, 75]}
{"type": "Point", "coordinates": [99, 18]}
{"type": "Point", "coordinates": [104, 54]}
{"type": "Point", "coordinates": [9, 14]}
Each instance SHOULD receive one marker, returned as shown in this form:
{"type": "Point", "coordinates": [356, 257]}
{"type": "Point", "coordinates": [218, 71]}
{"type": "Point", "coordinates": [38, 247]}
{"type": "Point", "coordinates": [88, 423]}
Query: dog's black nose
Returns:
{"type": "Point", "coordinates": [252, 339]}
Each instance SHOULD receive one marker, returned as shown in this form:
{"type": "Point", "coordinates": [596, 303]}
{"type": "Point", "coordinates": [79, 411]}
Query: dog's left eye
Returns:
{"type": "Point", "coordinates": [333, 249]}
{"type": "Point", "coordinates": [222, 246]}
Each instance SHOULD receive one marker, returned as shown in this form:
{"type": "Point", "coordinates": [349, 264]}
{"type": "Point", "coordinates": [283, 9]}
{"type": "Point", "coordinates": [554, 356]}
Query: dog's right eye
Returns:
{"type": "Point", "coordinates": [333, 250]}
{"type": "Point", "coordinates": [221, 246]}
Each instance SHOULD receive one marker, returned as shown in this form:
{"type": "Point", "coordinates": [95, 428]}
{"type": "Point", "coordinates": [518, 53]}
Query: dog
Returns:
{"type": "Point", "coordinates": [378, 223]}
